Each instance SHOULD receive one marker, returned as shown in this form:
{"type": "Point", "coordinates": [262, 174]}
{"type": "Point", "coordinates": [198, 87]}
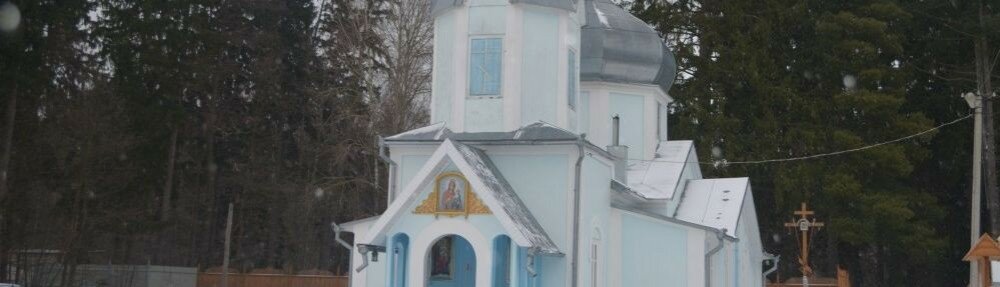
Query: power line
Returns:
{"type": "Point", "coordinates": [821, 155]}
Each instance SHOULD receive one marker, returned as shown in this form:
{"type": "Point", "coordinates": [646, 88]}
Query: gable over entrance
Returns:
{"type": "Point", "coordinates": [489, 186]}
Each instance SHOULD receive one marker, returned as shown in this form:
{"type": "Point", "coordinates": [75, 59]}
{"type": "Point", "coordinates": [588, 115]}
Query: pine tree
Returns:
{"type": "Point", "coordinates": [781, 79]}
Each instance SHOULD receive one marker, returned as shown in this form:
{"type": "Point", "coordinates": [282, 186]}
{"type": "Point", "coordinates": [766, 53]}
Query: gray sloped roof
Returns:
{"type": "Point", "coordinates": [438, 6]}
{"type": "Point", "coordinates": [661, 177]}
{"type": "Point", "coordinates": [715, 203]}
{"type": "Point", "coordinates": [488, 183]}
{"type": "Point", "coordinates": [512, 205]}
{"type": "Point", "coordinates": [538, 131]}
{"type": "Point", "coordinates": [618, 47]}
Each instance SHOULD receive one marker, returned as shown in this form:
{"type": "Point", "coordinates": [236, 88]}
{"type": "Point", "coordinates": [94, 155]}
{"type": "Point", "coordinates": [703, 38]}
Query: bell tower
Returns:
{"type": "Point", "coordinates": [502, 64]}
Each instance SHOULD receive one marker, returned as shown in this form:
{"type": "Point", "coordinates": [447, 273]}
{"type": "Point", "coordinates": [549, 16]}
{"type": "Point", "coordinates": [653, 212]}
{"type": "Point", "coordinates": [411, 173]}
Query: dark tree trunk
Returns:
{"type": "Point", "coordinates": [8, 142]}
{"type": "Point", "coordinates": [169, 184]}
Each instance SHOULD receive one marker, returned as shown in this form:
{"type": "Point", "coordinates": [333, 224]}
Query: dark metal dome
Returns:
{"type": "Point", "coordinates": [618, 47]}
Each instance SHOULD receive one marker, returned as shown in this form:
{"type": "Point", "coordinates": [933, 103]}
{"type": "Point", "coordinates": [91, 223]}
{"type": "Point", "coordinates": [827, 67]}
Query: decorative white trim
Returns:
{"type": "Point", "coordinates": [434, 165]}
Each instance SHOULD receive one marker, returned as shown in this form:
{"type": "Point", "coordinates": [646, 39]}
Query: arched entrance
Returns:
{"type": "Point", "coordinates": [451, 262]}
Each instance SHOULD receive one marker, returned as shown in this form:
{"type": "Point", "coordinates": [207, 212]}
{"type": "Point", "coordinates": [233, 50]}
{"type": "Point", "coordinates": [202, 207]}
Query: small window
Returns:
{"type": "Point", "coordinates": [485, 56]}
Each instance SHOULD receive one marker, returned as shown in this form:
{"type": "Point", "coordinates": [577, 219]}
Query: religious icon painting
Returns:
{"type": "Point", "coordinates": [452, 196]}
{"type": "Point", "coordinates": [442, 266]}
{"type": "Point", "coordinates": [452, 190]}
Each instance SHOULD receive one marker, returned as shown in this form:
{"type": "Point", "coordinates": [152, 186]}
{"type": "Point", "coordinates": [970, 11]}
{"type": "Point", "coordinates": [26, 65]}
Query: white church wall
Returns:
{"type": "Point", "coordinates": [614, 266]}
{"type": "Point", "coordinates": [541, 180]}
{"type": "Point", "coordinates": [637, 105]}
{"type": "Point", "coordinates": [512, 68]}
{"type": "Point", "coordinates": [409, 165]}
{"type": "Point", "coordinates": [595, 209]}
{"type": "Point", "coordinates": [696, 258]}
{"type": "Point", "coordinates": [751, 248]}
{"type": "Point", "coordinates": [631, 112]}
{"type": "Point", "coordinates": [583, 119]}
{"type": "Point", "coordinates": [443, 67]}
{"type": "Point", "coordinates": [483, 114]}
{"type": "Point", "coordinates": [534, 73]}
{"type": "Point", "coordinates": [538, 65]}
{"type": "Point", "coordinates": [652, 252]}
{"type": "Point", "coordinates": [423, 230]}
{"type": "Point", "coordinates": [487, 19]}
{"type": "Point", "coordinates": [719, 262]}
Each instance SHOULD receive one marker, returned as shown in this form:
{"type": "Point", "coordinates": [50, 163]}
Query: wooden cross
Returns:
{"type": "Point", "coordinates": [806, 228]}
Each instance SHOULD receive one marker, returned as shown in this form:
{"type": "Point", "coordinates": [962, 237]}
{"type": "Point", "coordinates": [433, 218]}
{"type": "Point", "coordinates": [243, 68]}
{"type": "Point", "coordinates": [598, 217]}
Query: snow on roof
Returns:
{"type": "Point", "coordinates": [660, 178]}
{"type": "Point", "coordinates": [538, 131]}
{"type": "Point", "coordinates": [715, 203]}
{"type": "Point", "coordinates": [431, 132]}
{"type": "Point", "coordinates": [486, 181]}
{"type": "Point", "coordinates": [507, 199]}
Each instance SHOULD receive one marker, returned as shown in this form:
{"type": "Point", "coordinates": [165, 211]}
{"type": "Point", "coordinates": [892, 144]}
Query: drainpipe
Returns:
{"type": "Point", "coordinates": [530, 265]}
{"type": "Point", "coordinates": [774, 267]}
{"type": "Point", "coordinates": [363, 250]}
{"type": "Point", "coordinates": [391, 177]}
{"type": "Point", "coordinates": [719, 234]}
{"type": "Point", "coordinates": [350, 255]}
{"type": "Point", "coordinates": [576, 210]}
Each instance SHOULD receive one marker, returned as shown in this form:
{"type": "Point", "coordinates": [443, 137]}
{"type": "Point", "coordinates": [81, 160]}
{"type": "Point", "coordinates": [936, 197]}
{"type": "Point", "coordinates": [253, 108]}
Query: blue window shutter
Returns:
{"type": "Point", "coordinates": [485, 66]}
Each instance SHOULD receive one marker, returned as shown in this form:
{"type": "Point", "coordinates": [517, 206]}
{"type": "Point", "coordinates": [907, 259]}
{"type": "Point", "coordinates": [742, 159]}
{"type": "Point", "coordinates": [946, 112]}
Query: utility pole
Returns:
{"type": "Point", "coordinates": [225, 253]}
{"type": "Point", "coordinates": [976, 103]}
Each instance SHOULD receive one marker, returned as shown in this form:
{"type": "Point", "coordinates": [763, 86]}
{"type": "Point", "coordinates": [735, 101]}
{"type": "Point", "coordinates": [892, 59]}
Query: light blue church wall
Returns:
{"type": "Point", "coordinates": [487, 19]}
{"type": "Point", "coordinates": [594, 213]}
{"type": "Point", "coordinates": [409, 165]}
{"type": "Point", "coordinates": [656, 252]}
{"type": "Point", "coordinates": [443, 88]}
{"type": "Point", "coordinates": [584, 113]}
{"type": "Point", "coordinates": [483, 114]}
{"type": "Point", "coordinates": [542, 183]}
{"type": "Point", "coordinates": [411, 225]}
{"type": "Point", "coordinates": [474, 3]}
{"type": "Point", "coordinates": [630, 110]}
{"type": "Point", "coordinates": [540, 64]}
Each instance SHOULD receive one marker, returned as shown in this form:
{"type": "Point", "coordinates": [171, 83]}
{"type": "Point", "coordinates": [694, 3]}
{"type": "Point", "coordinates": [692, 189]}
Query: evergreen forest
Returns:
{"type": "Point", "coordinates": [129, 126]}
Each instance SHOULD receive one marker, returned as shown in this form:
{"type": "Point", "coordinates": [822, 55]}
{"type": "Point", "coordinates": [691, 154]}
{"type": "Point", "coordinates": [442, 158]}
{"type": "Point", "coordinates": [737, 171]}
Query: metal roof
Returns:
{"type": "Point", "coordinates": [715, 203]}
{"type": "Point", "coordinates": [618, 47]}
{"type": "Point", "coordinates": [661, 177]}
{"type": "Point", "coordinates": [538, 131]}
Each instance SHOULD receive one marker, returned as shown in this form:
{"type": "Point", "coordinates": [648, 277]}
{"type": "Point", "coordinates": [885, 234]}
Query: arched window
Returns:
{"type": "Point", "coordinates": [595, 253]}
{"type": "Point", "coordinates": [501, 261]}
{"type": "Point", "coordinates": [400, 246]}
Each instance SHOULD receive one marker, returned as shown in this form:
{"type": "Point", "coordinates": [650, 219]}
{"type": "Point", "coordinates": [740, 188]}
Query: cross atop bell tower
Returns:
{"type": "Point", "coordinates": [806, 229]}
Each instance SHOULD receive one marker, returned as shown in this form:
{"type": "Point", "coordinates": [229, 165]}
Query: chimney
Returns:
{"type": "Point", "coordinates": [619, 151]}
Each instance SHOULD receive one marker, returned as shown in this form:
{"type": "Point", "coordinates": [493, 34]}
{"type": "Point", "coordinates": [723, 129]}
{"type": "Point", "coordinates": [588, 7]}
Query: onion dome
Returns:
{"type": "Point", "coordinates": [618, 47]}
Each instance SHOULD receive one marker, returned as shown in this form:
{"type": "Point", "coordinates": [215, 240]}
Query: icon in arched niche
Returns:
{"type": "Point", "coordinates": [452, 196]}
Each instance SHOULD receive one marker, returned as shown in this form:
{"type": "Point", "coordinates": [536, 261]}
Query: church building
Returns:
{"type": "Point", "coordinates": [548, 163]}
